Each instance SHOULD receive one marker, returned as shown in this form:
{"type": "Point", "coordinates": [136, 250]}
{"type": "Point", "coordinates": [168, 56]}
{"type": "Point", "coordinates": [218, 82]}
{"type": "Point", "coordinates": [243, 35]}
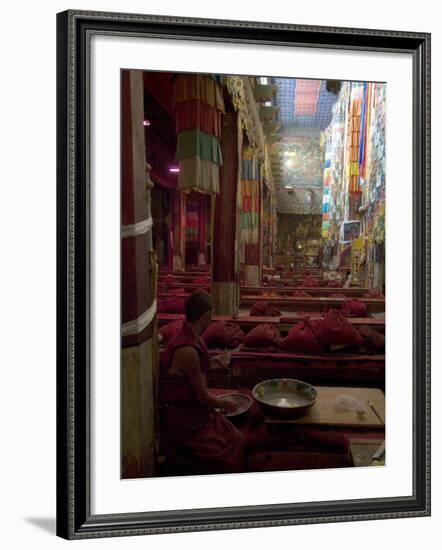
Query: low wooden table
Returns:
{"type": "Point", "coordinates": [362, 450]}
{"type": "Point", "coordinates": [325, 413]}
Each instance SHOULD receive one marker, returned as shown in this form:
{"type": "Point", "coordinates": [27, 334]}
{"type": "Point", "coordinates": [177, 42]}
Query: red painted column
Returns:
{"type": "Point", "coordinates": [136, 243]}
{"type": "Point", "coordinates": [225, 249]}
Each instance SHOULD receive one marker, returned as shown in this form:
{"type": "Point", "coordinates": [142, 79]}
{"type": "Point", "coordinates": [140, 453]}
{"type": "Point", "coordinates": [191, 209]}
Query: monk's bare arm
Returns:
{"type": "Point", "coordinates": [187, 361]}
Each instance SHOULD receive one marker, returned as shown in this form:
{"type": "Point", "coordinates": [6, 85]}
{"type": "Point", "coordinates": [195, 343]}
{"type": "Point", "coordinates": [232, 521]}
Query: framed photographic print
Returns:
{"type": "Point", "coordinates": [243, 274]}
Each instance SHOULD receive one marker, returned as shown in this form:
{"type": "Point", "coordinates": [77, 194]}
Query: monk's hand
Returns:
{"type": "Point", "coordinates": [222, 360]}
{"type": "Point", "coordinates": [229, 405]}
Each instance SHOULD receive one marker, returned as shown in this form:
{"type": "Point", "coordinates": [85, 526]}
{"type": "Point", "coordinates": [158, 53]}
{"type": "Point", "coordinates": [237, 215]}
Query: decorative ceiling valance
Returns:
{"type": "Point", "coordinates": [243, 100]}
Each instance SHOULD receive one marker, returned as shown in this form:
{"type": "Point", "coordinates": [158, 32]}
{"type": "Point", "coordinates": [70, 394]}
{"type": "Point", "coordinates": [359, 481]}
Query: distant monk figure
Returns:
{"type": "Point", "coordinates": [196, 438]}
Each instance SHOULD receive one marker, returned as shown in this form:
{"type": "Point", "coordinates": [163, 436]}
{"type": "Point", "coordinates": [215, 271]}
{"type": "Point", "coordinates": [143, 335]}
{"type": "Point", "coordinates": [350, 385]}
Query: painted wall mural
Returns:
{"type": "Point", "coordinates": [298, 233]}
{"type": "Point", "coordinates": [299, 201]}
{"type": "Point", "coordinates": [302, 159]}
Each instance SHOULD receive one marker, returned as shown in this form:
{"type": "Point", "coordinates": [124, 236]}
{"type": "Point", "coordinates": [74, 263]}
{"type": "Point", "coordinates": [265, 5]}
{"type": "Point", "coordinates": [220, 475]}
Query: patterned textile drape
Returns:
{"type": "Point", "coordinates": [192, 218]}
{"type": "Point", "coordinates": [179, 223]}
{"type": "Point", "coordinates": [250, 196]}
{"type": "Point", "coordinates": [354, 131]}
{"type": "Point", "coordinates": [202, 220]}
{"type": "Point", "coordinates": [326, 182]}
{"type": "Point", "coordinates": [199, 106]}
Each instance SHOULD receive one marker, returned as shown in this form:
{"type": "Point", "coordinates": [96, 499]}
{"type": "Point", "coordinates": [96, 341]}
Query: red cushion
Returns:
{"type": "Point", "coordinates": [263, 335]}
{"type": "Point", "coordinates": [174, 304]}
{"type": "Point", "coordinates": [175, 291]}
{"type": "Point", "coordinates": [223, 335]}
{"type": "Point", "coordinates": [304, 337]}
{"type": "Point", "coordinates": [354, 308]}
{"type": "Point", "coordinates": [301, 294]}
{"type": "Point", "coordinates": [167, 331]}
{"type": "Point", "coordinates": [309, 282]}
{"type": "Point", "coordinates": [333, 284]}
{"type": "Point", "coordinates": [161, 305]}
{"type": "Point", "coordinates": [337, 330]}
{"type": "Point", "coordinates": [373, 293]}
{"type": "Point", "coordinates": [201, 281]}
{"type": "Point", "coordinates": [262, 309]}
{"type": "Point", "coordinates": [372, 338]}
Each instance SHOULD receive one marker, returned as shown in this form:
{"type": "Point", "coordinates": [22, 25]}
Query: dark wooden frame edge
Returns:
{"type": "Point", "coordinates": [74, 520]}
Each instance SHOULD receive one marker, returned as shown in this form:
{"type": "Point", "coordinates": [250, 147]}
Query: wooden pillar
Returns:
{"type": "Point", "coordinates": [272, 222]}
{"type": "Point", "coordinates": [225, 259]}
{"type": "Point", "coordinates": [138, 356]}
{"type": "Point", "coordinates": [252, 256]}
{"type": "Point", "coordinates": [179, 230]}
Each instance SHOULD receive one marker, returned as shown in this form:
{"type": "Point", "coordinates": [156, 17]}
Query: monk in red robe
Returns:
{"type": "Point", "coordinates": [195, 435]}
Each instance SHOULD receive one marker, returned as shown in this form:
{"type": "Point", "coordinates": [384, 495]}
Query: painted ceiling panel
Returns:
{"type": "Point", "coordinates": [304, 103]}
{"type": "Point", "coordinates": [306, 96]}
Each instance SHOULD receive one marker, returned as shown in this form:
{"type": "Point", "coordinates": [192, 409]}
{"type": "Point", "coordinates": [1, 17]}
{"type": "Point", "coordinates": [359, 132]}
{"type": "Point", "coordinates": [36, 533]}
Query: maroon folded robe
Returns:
{"type": "Point", "coordinates": [195, 439]}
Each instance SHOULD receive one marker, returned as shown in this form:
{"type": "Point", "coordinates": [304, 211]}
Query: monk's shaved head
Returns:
{"type": "Point", "coordinates": [196, 305]}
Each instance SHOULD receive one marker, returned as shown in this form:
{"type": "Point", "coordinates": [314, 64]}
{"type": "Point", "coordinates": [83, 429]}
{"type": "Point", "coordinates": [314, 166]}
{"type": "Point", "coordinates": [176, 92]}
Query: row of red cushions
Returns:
{"type": "Point", "coordinates": [219, 334]}
{"type": "Point", "coordinates": [350, 308]}
{"type": "Point", "coordinates": [262, 309]}
{"type": "Point", "coordinates": [306, 336]}
{"type": "Point", "coordinates": [333, 330]}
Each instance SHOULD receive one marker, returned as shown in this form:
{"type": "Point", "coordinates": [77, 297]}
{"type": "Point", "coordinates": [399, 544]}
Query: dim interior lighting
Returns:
{"type": "Point", "coordinates": [174, 169]}
{"type": "Point", "coordinates": [146, 122]}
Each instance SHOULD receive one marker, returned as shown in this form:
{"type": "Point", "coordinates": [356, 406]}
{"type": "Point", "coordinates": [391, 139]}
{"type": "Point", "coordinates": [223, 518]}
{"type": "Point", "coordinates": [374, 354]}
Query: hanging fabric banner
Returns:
{"type": "Point", "coordinates": [195, 114]}
{"type": "Point", "coordinates": [354, 129]}
{"type": "Point", "coordinates": [199, 86]}
{"type": "Point", "coordinates": [191, 143]}
{"type": "Point", "coordinates": [250, 196]}
{"type": "Point", "coordinates": [192, 218]}
{"type": "Point", "coordinates": [202, 221]}
{"type": "Point", "coordinates": [198, 175]}
{"type": "Point", "coordinates": [199, 106]}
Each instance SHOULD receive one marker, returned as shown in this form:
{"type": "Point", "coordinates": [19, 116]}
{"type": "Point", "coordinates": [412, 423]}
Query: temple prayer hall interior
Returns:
{"type": "Point", "coordinates": [252, 274]}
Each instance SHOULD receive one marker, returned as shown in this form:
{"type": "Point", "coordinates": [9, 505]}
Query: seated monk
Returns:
{"type": "Point", "coordinates": [195, 436]}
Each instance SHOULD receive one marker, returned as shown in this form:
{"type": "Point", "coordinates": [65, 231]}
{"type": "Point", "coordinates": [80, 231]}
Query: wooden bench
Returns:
{"type": "Point", "coordinates": [248, 368]}
{"type": "Point", "coordinates": [319, 303]}
{"type": "Point", "coordinates": [314, 291]}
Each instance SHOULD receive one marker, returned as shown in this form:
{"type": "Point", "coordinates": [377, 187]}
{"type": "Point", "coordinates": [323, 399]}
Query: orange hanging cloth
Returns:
{"type": "Point", "coordinates": [354, 129]}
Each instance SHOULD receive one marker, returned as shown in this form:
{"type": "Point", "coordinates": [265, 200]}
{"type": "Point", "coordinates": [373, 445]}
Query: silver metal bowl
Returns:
{"type": "Point", "coordinates": [243, 401]}
{"type": "Point", "coordinates": [285, 397]}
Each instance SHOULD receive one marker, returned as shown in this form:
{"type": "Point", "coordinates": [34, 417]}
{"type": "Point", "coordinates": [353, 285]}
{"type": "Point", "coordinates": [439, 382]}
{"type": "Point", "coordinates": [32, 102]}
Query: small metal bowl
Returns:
{"type": "Point", "coordinates": [244, 402]}
{"type": "Point", "coordinates": [285, 397]}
